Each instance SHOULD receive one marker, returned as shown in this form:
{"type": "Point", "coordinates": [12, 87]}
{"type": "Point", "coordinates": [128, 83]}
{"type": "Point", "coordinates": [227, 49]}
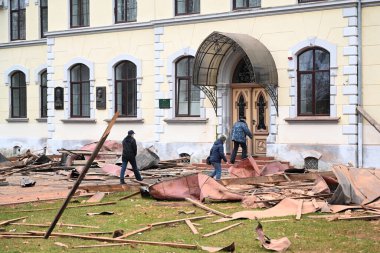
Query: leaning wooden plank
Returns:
{"type": "Point", "coordinates": [368, 117]}
{"type": "Point", "coordinates": [53, 208]}
{"type": "Point", "coordinates": [82, 175]}
{"type": "Point", "coordinates": [100, 245]}
{"type": "Point", "coordinates": [130, 195]}
{"type": "Point", "coordinates": [47, 225]}
{"type": "Point", "coordinates": [6, 222]}
{"type": "Point", "coordinates": [135, 232]}
{"type": "Point", "coordinates": [276, 178]}
{"type": "Point", "coordinates": [299, 209]}
{"type": "Point", "coordinates": [179, 220]}
{"type": "Point", "coordinates": [96, 198]}
{"type": "Point", "coordinates": [192, 227]}
{"type": "Point", "coordinates": [107, 239]}
{"type": "Point", "coordinates": [221, 230]}
{"type": "Point", "coordinates": [22, 236]}
{"type": "Point", "coordinates": [200, 205]}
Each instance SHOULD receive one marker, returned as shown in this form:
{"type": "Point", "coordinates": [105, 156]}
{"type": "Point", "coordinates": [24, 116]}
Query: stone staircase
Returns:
{"type": "Point", "coordinates": [260, 160]}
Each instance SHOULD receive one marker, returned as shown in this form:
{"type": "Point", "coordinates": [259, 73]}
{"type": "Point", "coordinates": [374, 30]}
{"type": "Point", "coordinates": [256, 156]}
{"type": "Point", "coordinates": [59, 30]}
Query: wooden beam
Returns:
{"type": "Point", "coordinates": [6, 222]}
{"type": "Point", "coordinates": [275, 178]}
{"type": "Point", "coordinates": [221, 230]}
{"type": "Point", "coordinates": [368, 117]}
{"type": "Point", "coordinates": [54, 208]}
{"type": "Point", "coordinates": [179, 220]}
{"type": "Point", "coordinates": [130, 195]}
{"type": "Point", "coordinates": [135, 232]}
{"type": "Point", "coordinates": [107, 239]}
{"type": "Point", "coordinates": [192, 227]}
{"type": "Point", "coordinates": [200, 205]}
{"type": "Point", "coordinates": [108, 188]}
{"type": "Point", "coordinates": [47, 225]}
{"type": "Point", "coordinates": [100, 245]}
{"type": "Point", "coordinates": [367, 217]}
{"type": "Point", "coordinates": [82, 175]}
{"type": "Point", "coordinates": [97, 197]}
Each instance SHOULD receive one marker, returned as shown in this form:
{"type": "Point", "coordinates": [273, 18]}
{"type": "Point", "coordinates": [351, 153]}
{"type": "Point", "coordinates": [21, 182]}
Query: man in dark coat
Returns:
{"type": "Point", "coordinates": [129, 155]}
{"type": "Point", "coordinates": [239, 132]}
{"type": "Point", "coordinates": [216, 156]}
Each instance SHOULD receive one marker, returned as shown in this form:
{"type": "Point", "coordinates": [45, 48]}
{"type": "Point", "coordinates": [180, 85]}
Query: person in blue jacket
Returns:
{"type": "Point", "coordinates": [216, 156]}
{"type": "Point", "coordinates": [239, 134]}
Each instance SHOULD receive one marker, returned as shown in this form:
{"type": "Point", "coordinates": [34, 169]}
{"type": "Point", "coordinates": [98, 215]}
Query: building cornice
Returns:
{"type": "Point", "coordinates": [25, 43]}
{"type": "Point", "coordinates": [251, 13]}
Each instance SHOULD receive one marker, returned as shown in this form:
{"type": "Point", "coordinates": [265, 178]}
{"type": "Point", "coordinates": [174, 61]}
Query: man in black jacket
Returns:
{"type": "Point", "coordinates": [129, 155]}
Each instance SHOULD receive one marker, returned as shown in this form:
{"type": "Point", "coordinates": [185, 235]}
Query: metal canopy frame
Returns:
{"type": "Point", "coordinates": [210, 55]}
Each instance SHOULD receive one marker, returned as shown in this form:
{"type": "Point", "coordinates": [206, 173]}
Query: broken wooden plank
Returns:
{"type": "Point", "coordinates": [200, 205]}
{"type": "Point", "coordinates": [299, 209]}
{"type": "Point", "coordinates": [367, 217]}
{"type": "Point", "coordinates": [222, 229]}
{"type": "Point", "coordinates": [47, 225]}
{"type": "Point", "coordinates": [97, 197]}
{"type": "Point", "coordinates": [82, 175]}
{"type": "Point", "coordinates": [135, 232]}
{"type": "Point", "coordinates": [6, 222]}
{"type": "Point", "coordinates": [368, 117]}
{"type": "Point", "coordinates": [108, 188]}
{"type": "Point", "coordinates": [100, 245]}
{"type": "Point", "coordinates": [275, 178]}
{"type": "Point", "coordinates": [107, 239]}
{"type": "Point", "coordinates": [192, 227]}
{"type": "Point", "coordinates": [130, 195]}
{"type": "Point", "coordinates": [54, 208]}
{"type": "Point", "coordinates": [179, 220]}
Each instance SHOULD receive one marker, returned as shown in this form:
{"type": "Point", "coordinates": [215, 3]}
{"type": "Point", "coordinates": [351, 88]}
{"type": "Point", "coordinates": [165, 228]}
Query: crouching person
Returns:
{"type": "Point", "coordinates": [216, 156]}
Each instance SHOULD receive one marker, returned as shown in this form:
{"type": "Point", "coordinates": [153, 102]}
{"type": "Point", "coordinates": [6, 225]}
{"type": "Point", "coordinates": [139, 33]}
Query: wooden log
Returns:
{"type": "Point", "coordinates": [135, 232]}
{"type": "Point", "coordinates": [200, 205]}
{"type": "Point", "coordinates": [179, 220]}
{"type": "Point", "coordinates": [192, 227]}
{"type": "Point", "coordinates": [299, 209]}
{"type": "Point", "coordinates": [221, 230]}
{"type": "Point", "coordinates": [107, 239]}
{"type": "Point", "coordinates": [6, 222]}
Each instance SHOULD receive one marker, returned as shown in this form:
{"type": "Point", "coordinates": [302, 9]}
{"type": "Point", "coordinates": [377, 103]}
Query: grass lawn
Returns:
{"type": "Point", "coordinates": [306, 235]}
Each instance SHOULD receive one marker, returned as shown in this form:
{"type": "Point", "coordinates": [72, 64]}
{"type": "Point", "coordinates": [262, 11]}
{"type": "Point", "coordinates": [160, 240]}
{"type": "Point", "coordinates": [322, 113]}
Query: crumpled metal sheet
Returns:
{"type": "Point", "coordinates": [279, 245]}
{"type": "Point", "coordinates": [229, 248]}
{"type": "Point", "coordinates": [114, 170]}
{"type": "Point", "coordinates": [109, 145]}
{"type": "Point", "coordinates": [246, 168]}
{"type": "Point", "coordinates": [195, 186]}
{"type": "Point", "coordinates": [274, 168]}
{"type": "Point", "coordinates": [356, 186]}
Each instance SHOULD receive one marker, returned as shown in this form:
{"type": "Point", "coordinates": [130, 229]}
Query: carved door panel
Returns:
{"type": "Point", "coordinates": [253, 104]}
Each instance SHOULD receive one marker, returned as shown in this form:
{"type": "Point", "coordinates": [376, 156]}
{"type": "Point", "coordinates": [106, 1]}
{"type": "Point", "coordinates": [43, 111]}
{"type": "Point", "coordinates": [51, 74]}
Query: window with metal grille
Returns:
{"type": "Point", "coordinates": [311, 163]}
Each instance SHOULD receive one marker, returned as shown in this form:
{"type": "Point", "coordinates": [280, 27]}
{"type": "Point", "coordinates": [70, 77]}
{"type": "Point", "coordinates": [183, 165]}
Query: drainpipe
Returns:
{"type": "Point", "coordinates": [360, 102]}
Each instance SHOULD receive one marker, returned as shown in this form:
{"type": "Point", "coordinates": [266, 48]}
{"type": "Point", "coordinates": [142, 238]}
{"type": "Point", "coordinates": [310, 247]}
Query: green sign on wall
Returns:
{"type": "Point", "coordinates": [164, 103]}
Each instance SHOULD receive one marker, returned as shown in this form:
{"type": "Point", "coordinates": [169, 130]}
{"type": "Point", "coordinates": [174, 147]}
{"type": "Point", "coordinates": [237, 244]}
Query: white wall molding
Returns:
{"type": "Point", "coordinates": [38, 71]}
{"type": "Point", "coordinates": [11, 70]}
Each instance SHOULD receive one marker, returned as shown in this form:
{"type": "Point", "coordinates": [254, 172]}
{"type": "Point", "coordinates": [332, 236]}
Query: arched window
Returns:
{"type": "Point", "coordinates": [187, 95]}
{"type": "Point", "coordinates": [43, 94]}
{"type": "Point", "coordinates": [18, 95]}
{"type": "Point", "coordinates": [126, 89]}
{"type": "Point", "coordinates": [80, 91]}
{"type": "Point", "coordinates": [313, 75]}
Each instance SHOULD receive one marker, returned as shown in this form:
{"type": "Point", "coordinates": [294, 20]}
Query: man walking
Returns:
{"type": "Point", "coordinates": [129, 155]}
{"type": "Point", "coordinates": [239, 132]}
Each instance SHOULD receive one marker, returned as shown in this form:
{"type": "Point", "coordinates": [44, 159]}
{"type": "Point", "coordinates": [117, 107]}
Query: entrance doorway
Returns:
{"type": "Point", "coordinates": [251, 101]}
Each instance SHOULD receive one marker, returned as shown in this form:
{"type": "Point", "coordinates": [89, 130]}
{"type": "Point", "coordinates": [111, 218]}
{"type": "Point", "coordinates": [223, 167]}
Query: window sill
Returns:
{"type": "Point", "coordinates": [186, 120]}
{"type": "Point", "coordinates": [16, 120]}
{"type": "Point", "coordinates": [326, 119]}
{"type": "Point", "coordinates": [41, 119]}
{"type": "Point", "coordinates": [79, 120]}
{"type": "Point", "coordinates": [129, 120]}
